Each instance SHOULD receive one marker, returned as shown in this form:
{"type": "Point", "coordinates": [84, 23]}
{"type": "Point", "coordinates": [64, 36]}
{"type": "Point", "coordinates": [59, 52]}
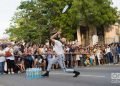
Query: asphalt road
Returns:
{"type": "Point", "coordinates": [90, 76]}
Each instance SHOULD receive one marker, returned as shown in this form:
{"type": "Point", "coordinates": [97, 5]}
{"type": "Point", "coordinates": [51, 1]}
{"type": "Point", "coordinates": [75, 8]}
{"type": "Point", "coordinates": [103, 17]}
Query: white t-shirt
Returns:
{"type": "Point", "coordinates": [58, 47]}
{"type": "Point", "coordinates": [11, 50]}
{"type": "Point", "coordinates": [107, 50]}
{"type": "Point", "coordinates": [2, 58]}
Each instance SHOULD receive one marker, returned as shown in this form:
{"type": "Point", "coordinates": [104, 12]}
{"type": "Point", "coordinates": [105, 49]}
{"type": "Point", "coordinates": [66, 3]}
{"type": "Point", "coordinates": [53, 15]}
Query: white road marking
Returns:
{"type": "Point", "coordinates": [94, 76]}
{"type": "Point", "coordinates": [101, 68]}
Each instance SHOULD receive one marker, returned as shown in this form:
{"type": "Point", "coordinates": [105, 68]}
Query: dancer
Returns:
{"type": "Point", "coordinates": [59, 51]}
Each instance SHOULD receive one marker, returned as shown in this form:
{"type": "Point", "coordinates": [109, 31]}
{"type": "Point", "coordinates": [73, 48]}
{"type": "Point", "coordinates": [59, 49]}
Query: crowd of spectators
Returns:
{"type": "Point", "coordinates": [17, 57]}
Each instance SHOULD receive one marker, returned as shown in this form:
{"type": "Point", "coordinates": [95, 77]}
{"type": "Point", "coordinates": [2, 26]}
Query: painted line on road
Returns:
{"type": "Point", "coordinates": [95, 76]}
{"type": "Point", "coordinates": [100, 68]}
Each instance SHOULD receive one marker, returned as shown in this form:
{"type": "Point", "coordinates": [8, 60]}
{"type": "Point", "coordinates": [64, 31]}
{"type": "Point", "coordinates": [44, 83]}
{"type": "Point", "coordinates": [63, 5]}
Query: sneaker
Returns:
{"type": "Point", "coordinates": [12, 72]}
{"type": "Point", "coordinates": [46, 74]}
{"type": "Point", "coordinates": [19, 72]}
{"type": "Point", "coordinates": [9, 73]}
{"type": "Point", "coordinates": [76, 73]}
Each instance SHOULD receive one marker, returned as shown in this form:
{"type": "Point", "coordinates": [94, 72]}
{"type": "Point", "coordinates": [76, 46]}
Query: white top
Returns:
{"type": "Point", "coordinates": [98, 54]}
{"type": "Point", "coordinates": [2, 58]}
{"type": "Point", "coordinates": [67, 49]}
{"type": "Point", "coordinates": [11, 50]}
{"type": "Point", "coordinates": [92, 57]}
{"type": "Point", "coordinates": [95, 39]}
{"type": "Point", "coordinates": [58, 47]}
{"type": "Point", "coordinates": [107, 50]}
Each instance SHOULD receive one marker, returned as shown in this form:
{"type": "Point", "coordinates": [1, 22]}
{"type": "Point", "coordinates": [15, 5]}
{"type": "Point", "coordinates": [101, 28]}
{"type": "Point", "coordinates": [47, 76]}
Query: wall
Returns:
{"type": "Point", "coordinates": [111, 34]}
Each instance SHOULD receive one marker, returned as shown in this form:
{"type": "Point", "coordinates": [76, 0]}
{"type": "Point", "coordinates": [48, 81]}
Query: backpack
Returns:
{"type": "Point", "coordinates": [8, 53]}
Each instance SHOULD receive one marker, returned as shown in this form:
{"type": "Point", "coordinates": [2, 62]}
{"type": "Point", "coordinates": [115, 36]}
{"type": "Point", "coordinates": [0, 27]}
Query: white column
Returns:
{"type": "Point", "coordinates": [79, 36]}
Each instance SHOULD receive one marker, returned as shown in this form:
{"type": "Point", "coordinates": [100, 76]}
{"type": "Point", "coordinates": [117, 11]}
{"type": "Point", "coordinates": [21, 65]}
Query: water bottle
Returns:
{"type": "Point", "coordinates": [32, 73]}
{"type": "Point", "coordinates": [35, 73]}
{"type": "Point", "coordinates": [28, 76]}
{"type": "Point", "coordinates": [26, 73]}
{"type": "Point", "coordinates": [40, 72]}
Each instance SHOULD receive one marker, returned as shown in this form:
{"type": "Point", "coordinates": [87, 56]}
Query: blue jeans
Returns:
{"type": "Point", "coordinates": [2, 67]}
{"type": "Point", "coordinates": [59, 59]}
{"type": "Point", "coordinates": [109, 57]}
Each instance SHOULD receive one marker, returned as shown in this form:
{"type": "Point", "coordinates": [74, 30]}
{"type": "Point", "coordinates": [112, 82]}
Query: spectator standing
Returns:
{"type": "Point", "coordinates": [108, 54]}
{"type": "Point", "coordinates": [2, 60]}
{"type": "Point", "coordinates": [9, 54]}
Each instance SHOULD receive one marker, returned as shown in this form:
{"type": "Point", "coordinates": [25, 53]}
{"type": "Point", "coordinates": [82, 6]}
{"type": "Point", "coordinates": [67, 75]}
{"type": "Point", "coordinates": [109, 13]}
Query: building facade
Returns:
{"type": "Point", "coordinates": [91, 35]}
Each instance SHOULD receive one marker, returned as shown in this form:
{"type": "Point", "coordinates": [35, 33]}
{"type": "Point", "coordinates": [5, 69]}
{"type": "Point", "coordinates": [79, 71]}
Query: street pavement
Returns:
{"type": "Point", "coordinates": [90, 76]}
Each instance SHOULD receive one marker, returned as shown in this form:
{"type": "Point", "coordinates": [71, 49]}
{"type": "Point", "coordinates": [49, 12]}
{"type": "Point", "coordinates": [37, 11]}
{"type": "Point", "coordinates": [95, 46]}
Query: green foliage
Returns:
{"type": "Point", "coordinates": [35, 19]}
{"type": "Point", "coordinates": [98, 12]}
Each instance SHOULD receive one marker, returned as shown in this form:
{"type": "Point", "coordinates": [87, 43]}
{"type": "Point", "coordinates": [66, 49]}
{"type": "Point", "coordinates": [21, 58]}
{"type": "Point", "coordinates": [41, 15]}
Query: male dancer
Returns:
{"type": "Point", "coordinates": [59, 51]}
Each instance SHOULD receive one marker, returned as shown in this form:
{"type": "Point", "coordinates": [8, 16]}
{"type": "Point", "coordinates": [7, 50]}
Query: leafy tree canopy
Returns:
{"type": "Point", "coordinates": [36, 20]}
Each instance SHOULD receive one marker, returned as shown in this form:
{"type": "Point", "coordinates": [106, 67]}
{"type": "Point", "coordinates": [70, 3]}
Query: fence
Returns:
{"type": "Point", "coordinates": [71, 60]}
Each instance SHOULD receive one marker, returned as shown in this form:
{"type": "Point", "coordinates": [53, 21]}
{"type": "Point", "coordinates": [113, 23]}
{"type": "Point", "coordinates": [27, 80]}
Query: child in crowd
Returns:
{"type": "Point", "coordinates": [92, 58]}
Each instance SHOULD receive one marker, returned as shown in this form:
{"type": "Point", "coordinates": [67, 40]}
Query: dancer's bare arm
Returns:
{"type": "Point", "coordinates": [52, 38]}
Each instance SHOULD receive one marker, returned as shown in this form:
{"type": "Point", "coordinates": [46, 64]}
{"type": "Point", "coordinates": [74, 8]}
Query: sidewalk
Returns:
{"type": "Point", "coordinates": [104, 65]}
